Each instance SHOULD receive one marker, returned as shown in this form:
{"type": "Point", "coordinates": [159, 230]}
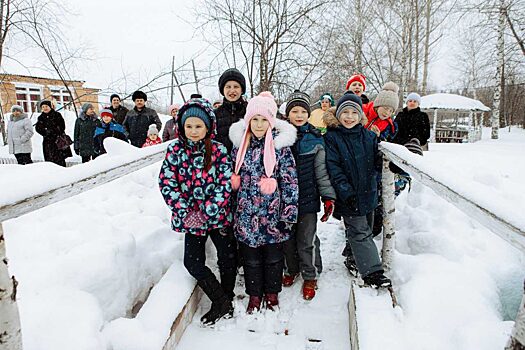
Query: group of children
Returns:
{"type": "Point", "coordinates": [255, 183]}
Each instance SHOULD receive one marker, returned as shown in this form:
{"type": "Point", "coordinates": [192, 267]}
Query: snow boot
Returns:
{"type": "Point", "coordinates": [221, 305]}
{"type": "Point", "coordinates": [309, 287]}
{"type": "Point", "coordinates": [288, 280]}
{"type": "Point", "coordinates": [228, 278]}
{"type": "Point", "coordinates": [271, 301]}
{"type": "Point", "coordinates": [254, 304]}
{"type": "Point", "coordinates": [377, 280]}
{"type": "Point", "coordinates": [351, 265]}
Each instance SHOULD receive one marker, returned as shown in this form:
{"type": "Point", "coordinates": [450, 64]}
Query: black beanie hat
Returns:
{"type": "Point", "coordinates": [232, 74]}
{"type": "Point", "coordinates": [195, 96]}
{"type": "Point", "coordinates": [139, 94]}
{"type": "Point", "coordinates": [46, 103]}
{"type": "Point", "coordinates": [113, 96]}
{"type": "Point", "coordinates": [298, 98]}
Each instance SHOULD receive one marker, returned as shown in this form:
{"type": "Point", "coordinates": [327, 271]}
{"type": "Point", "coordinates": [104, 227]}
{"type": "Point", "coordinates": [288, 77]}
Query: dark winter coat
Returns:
{"type": "Point", "coordinates": [137, 124]}
{"type": "Point", "coordinates": [170, 130]}
{"type": "Point", "coordinates": [50, 126]}
{"type": "Point", "coordinates": [104, 131]}
{"type": "Point", "coordinates": [353, 161]}
{"type": "Point", "coordinates": [84, 135]}
{"type": "Point", "coordinates": [186, 187]}
{"type": "Point", "coordinates": [310, 159]}
{"type": "Point", "coordinates": [227, 114]}
{"type": "Point", "coordinates": [412, 124]}
{"type": "Point", "coordinates": [259, 218]}
{"type": "Point", "coordinates": [119, 114]}
{"type": "Point", "coordinates": [19, 133]}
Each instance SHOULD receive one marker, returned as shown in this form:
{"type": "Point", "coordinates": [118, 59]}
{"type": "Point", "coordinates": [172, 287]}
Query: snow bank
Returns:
{"type": "Point", "coordinates": [451, 101]}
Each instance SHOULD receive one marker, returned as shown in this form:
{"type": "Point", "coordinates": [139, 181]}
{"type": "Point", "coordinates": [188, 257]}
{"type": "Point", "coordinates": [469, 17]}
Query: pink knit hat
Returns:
{"type": "Point", "coordinates": [263, 105]}
{"type": "Point", "coordinates": [172, 107]}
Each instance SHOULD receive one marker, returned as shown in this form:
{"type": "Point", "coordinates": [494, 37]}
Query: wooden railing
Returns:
{"type": "Point", "coordinates": [10, 332]}
{"type": "Point", "coordinates": [511, 233]}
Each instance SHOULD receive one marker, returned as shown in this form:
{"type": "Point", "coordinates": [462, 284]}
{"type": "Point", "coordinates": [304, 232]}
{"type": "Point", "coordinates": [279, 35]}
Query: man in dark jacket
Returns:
{"type": "Point", "coordinates": [139, 119]}
{"type": "Point", "coordinates": [412, 123]}
{"type": "Point", "coordinates": [118, 110]}
{"type": "Point", "coordinates": [232, 86]}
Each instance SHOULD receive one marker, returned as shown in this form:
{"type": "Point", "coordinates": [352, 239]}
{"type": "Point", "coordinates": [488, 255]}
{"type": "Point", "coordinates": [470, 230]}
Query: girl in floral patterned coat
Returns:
{"type": "Point", "coordinates": [195, 183]}
{"type": "Point", "coordinates": [267, 198]}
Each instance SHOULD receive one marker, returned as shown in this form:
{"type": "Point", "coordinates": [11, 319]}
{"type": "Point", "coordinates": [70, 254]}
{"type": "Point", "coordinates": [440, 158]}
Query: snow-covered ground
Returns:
{"type": "Point", "coordinates": [83, 262]}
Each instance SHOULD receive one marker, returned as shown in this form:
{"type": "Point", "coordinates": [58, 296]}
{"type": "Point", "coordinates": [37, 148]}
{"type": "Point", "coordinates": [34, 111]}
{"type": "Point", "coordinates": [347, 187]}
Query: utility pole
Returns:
{"type": "Point", "coordinates": [172, 74]}
{"type": "Point", "coordinates": [195, 75]}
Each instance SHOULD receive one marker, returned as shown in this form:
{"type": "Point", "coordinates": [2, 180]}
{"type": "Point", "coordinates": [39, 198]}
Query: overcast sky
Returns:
{"type": "Point", "coordinates": [139, 37]}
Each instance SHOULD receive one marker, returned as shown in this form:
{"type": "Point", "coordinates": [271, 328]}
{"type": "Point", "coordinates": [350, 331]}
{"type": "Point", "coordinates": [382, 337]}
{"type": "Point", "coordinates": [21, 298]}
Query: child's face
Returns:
{"type": "Point", "coordinates": [195, 129]}
{"type": "Point", "coordinates": [385, 112]}
{"type": "Point", "coordinates": [349, 118]}
{"type": "Point", "coordinates": [259, 125]}
{"type": "Point", "coordinates": [325, 104]}
{"type": "Point", "coordinates": [232, 90]}
{"type": "Point", "coordinates": [153, 137]}
{"type": "Point", "coordinates": [298, 116]}
{"type": "Point", "coordinates": [411, 104]}
{"type": "Point", "coordinates": [357, 88]}
{"type": "Point", "coordinates": [106, 119]}
{"type": "Point", "coordinates": [174, 112]}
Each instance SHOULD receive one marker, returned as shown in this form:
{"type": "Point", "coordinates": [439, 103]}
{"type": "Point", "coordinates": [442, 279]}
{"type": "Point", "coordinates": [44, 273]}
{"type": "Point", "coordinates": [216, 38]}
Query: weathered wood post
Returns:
{"type": "Point", "coordinates": [434, 124]}
{"type": "Point", "coordinates": [10, 333]}
{"type": "Point", "coordinates": [517, 338]}
{"type": "Point", "coordinates": [471, 137]}
{"type": "Point", "coordinates": [389, 211]}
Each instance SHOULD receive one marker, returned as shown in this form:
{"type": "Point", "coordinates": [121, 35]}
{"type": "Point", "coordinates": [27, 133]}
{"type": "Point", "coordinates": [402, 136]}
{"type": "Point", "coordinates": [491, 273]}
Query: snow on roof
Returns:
{"type": "Point", "coordinates": [451, 101]}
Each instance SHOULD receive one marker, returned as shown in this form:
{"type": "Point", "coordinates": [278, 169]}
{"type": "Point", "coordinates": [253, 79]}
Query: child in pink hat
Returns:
{"type": "Point", "coordinates": [265, 179]}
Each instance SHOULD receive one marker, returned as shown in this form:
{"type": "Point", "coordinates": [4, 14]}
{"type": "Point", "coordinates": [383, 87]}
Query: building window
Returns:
{"type": "Point", "coordinates": [61, 95]}
{"type": "Point", "coordinates": [28, 98]}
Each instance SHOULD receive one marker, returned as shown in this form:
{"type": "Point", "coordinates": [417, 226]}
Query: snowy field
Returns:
{"type": "Point", "coordinates": [84, 262]}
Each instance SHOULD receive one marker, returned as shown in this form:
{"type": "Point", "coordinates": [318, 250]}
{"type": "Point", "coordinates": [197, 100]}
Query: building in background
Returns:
{"type": "Point", "coordinates": [28, 91]}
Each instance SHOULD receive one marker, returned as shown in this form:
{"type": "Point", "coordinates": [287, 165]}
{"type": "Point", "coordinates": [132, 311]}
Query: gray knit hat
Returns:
{"type": "Point", "coordinates": [388, 96]}
{"type": "Point", "coordinates": [152, 130]}
{"type": "Point", "coordinates": [86, 106]}
{"type": "Point", "coordinates": [414, 96]}
{"type": "Point", "coordinates": [17, 108]}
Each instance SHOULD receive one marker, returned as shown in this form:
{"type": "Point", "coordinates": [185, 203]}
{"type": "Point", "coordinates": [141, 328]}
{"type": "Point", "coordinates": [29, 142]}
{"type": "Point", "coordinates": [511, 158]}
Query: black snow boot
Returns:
{"type": "Point", "coordinates": [221, 305]}
{"type": "Point", "coordinates": [377, 280]}
{"type": "Point", "coordinates": [228, 277]}
{"type": "Point", "coordinates": [351, 265]}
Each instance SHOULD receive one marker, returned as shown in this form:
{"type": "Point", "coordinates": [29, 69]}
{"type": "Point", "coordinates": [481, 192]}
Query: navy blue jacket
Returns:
{"type": "Point", "coordinates": [353, 159]}
{"type": "Point", "coordinates": [310, 159]}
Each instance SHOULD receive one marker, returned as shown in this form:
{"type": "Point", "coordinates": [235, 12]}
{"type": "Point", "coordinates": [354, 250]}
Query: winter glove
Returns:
{"type": "Point", "coordinates": [328, 209]}
{"type": "Point", "coordinates": [375, 129]}
{"type": "Point", "coordinates": [194, 219]}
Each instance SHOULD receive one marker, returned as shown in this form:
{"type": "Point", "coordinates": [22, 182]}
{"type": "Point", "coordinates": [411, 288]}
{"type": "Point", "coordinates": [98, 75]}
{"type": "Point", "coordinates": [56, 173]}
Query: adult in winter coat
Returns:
{"type": "Point", "coordinates": [19, 133]}
{"type": "Point", "coordinates": [302, 251]}
{"type": "Point", "coordinates": [412, 122]}
{"type": "Point", "coordinates": [170, 129]}
{"type": "Point", "coordinates": [266, 180]}
{"type": "Point", "coordinates": [352, 159]}
{"type": "Point", "coordinates": [118, 110]}
{"type": "Point", "coordinates": [195, 183]}
{"type": "Point", "coordinates": [316, 118]}
{"type": "Point", "coordinates": [85, 126]}
{"type": "Point", "coordinates": [232, 85]}
{"type": "Point", "coordinates": [51, 125]}
{"type": "Point", "coordinates": [139, 119]}
{"type": "Point", "coordinates": [106, 127]}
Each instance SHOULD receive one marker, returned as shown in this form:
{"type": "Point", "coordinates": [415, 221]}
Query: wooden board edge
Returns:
{"type": "Point", "coordinates": [352, 316]}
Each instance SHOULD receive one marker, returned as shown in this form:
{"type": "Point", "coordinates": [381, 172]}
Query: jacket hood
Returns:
{"type": "Point", "coordinates": [203, 104]}
{"type": "Point", "coordinates": [286, 134]}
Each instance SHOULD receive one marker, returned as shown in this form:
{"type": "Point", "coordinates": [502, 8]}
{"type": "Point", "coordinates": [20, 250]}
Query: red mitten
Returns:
{"type": "Point", "coordinates": [328, 209]}
{"type": "Point", "coordinates": [194, 219]}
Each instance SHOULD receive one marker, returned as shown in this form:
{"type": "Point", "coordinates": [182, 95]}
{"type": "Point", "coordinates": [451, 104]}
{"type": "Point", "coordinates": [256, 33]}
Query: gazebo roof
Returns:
{"type": "Point", "coordinates": [452, 102]}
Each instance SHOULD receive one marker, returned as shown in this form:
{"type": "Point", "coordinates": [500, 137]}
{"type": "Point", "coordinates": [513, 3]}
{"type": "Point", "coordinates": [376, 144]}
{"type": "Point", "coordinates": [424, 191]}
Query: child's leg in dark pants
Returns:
{"type": "Point", "coordinates": [359, 232]}
{"type": "Point", "coordinates": [273, 267]}
{"type": "Point", "coordinates": [253, 269]}
{"type": "Point", "coordinates": [226, 246]}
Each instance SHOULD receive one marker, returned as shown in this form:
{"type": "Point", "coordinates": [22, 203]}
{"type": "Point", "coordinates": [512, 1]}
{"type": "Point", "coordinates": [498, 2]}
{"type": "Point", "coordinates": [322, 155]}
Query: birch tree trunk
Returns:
{"type": "Point", "coordinates": [428, 14]}
{"type": "Point", "coordinates": [499, 72]}
{"type": "Point", "coordinates": [389, 213]}
{"type": "Point", "coordinates": [359, 37]}
{"type": "Point", "coordinates": [10, 332]}
{"type": "Point", "coordinates": [517, 338]}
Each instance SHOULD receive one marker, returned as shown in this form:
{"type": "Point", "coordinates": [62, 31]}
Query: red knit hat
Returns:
{"type": "Point", "coordinates": [106, 112]}
{"type": "Point", "coordinates": [356, 77]}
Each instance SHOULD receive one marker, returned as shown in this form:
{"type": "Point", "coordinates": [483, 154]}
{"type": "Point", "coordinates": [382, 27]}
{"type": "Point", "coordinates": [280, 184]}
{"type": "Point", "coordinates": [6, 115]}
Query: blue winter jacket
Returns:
{"type": "Point", "coordinates": [353, 159]}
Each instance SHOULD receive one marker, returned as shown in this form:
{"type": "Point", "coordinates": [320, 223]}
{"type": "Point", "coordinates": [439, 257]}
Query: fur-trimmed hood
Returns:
{"type": "Point", "coordinates": [285, 134]}
{"type": "Point", "coordinates": [332, 122]}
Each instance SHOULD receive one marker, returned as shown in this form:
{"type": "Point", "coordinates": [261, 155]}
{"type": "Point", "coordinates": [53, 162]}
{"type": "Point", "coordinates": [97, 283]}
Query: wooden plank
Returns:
{"type": "Point", "coordinates": [512, 234]}
{"type": "Point", "coordinates": [44, 199]}
{"type": "Point", "coordinates": [517, 338]}
{"type": "Point", "coordinates": [183, 319]}
{"type": "Point", "coordinates": [352, 315]}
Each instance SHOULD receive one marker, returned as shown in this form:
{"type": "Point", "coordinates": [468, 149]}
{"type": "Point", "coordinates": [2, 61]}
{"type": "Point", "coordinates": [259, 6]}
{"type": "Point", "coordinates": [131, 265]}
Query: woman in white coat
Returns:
{"type": "Point", "coordinates": [19, 133]}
